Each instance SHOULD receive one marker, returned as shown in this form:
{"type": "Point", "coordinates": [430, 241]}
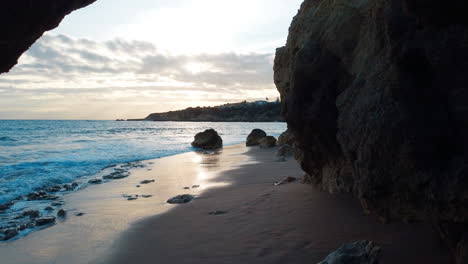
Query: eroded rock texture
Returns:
{"type": "Point", "coordinates": [376, 94]}
{"type": "Point", "coordinates": [24, 21]}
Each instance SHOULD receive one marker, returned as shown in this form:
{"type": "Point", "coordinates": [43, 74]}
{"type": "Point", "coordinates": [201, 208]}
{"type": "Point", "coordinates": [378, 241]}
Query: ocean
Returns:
{"type": "Point", "coordinates": [38, 154]}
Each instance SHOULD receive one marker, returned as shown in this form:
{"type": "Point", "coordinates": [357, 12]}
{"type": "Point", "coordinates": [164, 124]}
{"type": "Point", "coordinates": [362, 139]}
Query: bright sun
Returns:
{"type": "Point", "coordinates": [196, 67]}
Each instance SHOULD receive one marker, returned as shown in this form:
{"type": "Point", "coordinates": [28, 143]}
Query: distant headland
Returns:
{"type": "Point", "coordinates": [258, 111]}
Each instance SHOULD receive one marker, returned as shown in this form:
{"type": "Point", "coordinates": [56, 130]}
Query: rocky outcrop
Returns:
{"type": "Point", "coordinates": [258, 111]}
{"type": "Point", "coordinates": [375, 93]}
{"type": "Point", "coordinates": [253, 139]}
{"type": "Point", "coordinates": [360, 252]}
{"type": "Point", "coordinates": [208, 139]}
{"type": "Point", "coordinates": [285, 151]}
{"type": "Point", "coordinates": [286, 138]}
{"type": "Point", "coordinates": [181, 199]}
{"type": "Point", "coordinates": [267, 142]}
{"type": "Point", "coordinates": [24, 21]}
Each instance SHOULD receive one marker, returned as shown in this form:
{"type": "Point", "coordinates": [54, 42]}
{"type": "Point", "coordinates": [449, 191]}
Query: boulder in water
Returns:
{"type": "Point", "coordinates": [45, 220]}
{"type": "Point", "coordinates": [285, 151]}
{"type": "Point", "coordinates": [181, 199]}
{"type": "Point", "coordinates": [253, 139]}
{"type": "Point", "coordinates": [268, 142]}
{"type": "Point", "coordinates": [359, 252]}
{"type": "Point", "coordinates": [208, 139]}
{"type": "Point", "coordinates": [286, 138]}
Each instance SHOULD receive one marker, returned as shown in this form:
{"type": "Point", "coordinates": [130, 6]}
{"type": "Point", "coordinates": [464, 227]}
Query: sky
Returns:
{"type": "Point", "coordinates": [127, 59]}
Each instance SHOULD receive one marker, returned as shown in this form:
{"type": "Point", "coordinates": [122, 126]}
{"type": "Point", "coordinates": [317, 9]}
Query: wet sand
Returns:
{"type": "Point", "coordinates": [260, 222]}
{"type": "Point", "coordinates": [263, 223]}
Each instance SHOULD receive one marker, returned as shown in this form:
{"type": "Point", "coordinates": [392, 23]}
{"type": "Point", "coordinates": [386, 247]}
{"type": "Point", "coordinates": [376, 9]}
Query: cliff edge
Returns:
{"type": "Point", "coordinates": [24, 21]}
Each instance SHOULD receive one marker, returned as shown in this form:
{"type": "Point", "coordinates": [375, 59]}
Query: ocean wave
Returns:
{"type": "Point", "coordinates": [7, 139]}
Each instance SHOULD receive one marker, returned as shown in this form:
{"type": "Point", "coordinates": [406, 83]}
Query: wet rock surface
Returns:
{"type": "Point", "coordinates": [376, 99]}
{"type": "Point", "coordinates": [208, 140]}
{"type": "Point", "coordinates": [147, 181]}
{"type": "Point", "coordinates": [181, 199]}
{"type": "Point", "coordinates": [45, 220]}
{"type": "Point", "coordinates": [61, 213]}
{"type": "Point", "coordinates": [95, 181]}
{"type": "Point", "coordinates": [41, 195]}
{"type": "Point", "coordinates": [217, 212]}
{"type": "Point", "coordinates": [7, 234]}
{"type": "Point", "coordinates": [286, 180]}
{"type": "Point", "coordinates": [285, 151]}
{"type": "Point", "coordinates": [267, 142]}
{"type": "Point", "coordinates": [253, 139]}
{"type": "Point", "coordinates": [118, 174]}
{"type": "Point", "coordinates": [6, 206]}
{"type": "Point", "coordinates": [360, 252]}
{"type": "Point", "coordinates": [286, 138]}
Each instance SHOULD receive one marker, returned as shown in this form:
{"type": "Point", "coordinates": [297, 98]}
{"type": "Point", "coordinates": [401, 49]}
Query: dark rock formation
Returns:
{"type": "Point", "coordinates": [24, 21]}
{"type": "Point", "coordinates": [375, 93]}
{"type": "Point", "coordinates": [61, 213]}
{"type": "Point", "coordinates": [181, 199]}
{"type": "Point", "coordinates": [95, 181]}
{"type": "Point", "coordinates": [286, 138]}
{"type": "Point", "coordinates": [45, 220]}
{"type": "Point", "coordinates": [147, 181]}
{"type": "Point", "coordinates": [285, 151]}
{"type": "Point", "coordinates": [208, 139]}
{"type": "Point", "coordinates": [259, 111]}
{"type": "Point", "coordinates": [6, 206]}
{"type": "Point", "coordinates": [253, 139]}
{"type": "Point", "coordinates": [31, 213]}
{"type": "Point", "coordinates": [267, 142]}
{"type": "Point", "coordinates": [360, 252]}
{"type": "Point", "coordinates": [8, 233]}
{"type": "Point", "coordinates": [41, 195]}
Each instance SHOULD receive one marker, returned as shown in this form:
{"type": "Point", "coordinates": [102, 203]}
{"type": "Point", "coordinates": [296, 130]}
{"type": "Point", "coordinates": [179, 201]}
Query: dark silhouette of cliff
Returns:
{"type": "Point", "coordinates": [259, 111]}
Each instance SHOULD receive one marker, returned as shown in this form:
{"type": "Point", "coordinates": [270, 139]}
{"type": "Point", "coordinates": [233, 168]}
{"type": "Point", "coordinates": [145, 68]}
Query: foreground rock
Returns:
{"type": "Point", "coordinates": [8, 233]}
{"type": "Point", "coordinates": [181, 199]}
{"type": "Point", "coordinates": [147, 181]}
{"type": "Point", "coordinates": [253, 139]}
{"type": "Point", "coordinates": [6, 206]}
{"type": "Point", "coordinates": [376, 99]}
{"type": "Point", "coordinates": [95, 181]}
{"type": "Point", "coordinates": [360, 252]}
{"type": "Point", "coordinates": [41, 195]}
{"type": "Point", "coordinates": [268, 142]}
{"type": "Point", "coordinates": [118, 174]}
{"type": "Point", "coordinates": [285, 151]}
{"type": "Point", "coordinates": [61, 213]}
{"type": "Point", "coordinates": [45, 220]}
{"type": "Point", "coordinates": [286, 138]}
{"type": "Point", "coordinates": [286, 180]}
{"type": "Point", "coordinates": [208, 140]}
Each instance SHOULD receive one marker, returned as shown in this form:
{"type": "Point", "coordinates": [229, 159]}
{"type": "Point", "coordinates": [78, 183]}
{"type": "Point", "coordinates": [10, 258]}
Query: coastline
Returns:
{"type": "Point", "coordinates": [259, 223]}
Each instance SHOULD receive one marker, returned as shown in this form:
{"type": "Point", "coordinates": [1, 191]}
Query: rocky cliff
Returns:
{"type": "Point", "coordinates": [376, 93]}
{"type": "Point", "coordinates": [24, 21]}
{"type": "Point", "coordinates": [259, 111]}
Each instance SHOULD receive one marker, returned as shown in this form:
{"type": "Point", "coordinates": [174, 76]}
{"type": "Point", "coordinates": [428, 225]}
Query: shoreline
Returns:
{"type": "Point", "coordinates": [263, 223]}
{"type": "Point", "coordinates": [252, 221]}
{"type": "Point", "coordinates": [44, 198]}
{"type": "Point", "coordinates": [100, 207]}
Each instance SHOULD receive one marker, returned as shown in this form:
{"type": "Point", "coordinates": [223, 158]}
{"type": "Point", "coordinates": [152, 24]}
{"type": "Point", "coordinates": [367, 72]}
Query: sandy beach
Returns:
{"type": "Point", "coordinates": [255, 221]}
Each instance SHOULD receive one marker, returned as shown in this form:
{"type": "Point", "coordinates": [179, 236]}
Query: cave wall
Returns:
{"type": "Point", "coordinates": [24, 21]}
{"type": "Point", "coordinates": [376, 94]}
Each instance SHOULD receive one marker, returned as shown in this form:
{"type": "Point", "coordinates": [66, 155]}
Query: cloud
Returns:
{"type": "Point", "coordinates": [85, 73]}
